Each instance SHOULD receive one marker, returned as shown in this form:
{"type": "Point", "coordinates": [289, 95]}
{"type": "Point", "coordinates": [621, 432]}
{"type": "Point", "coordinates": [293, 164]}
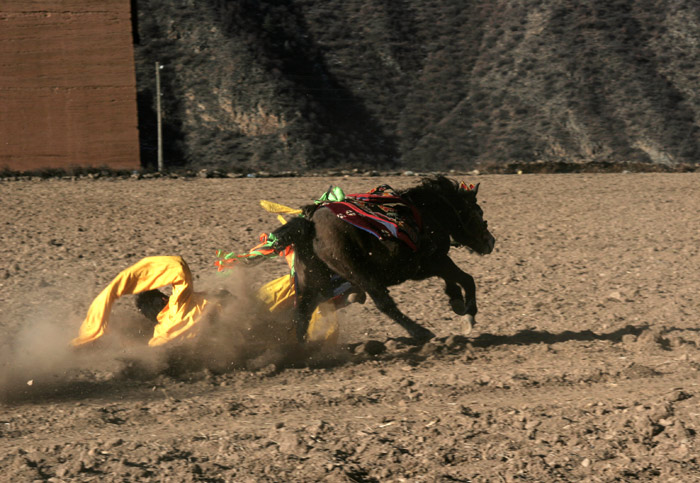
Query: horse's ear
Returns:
{"type": "Point", "coordinates": [470, 187]}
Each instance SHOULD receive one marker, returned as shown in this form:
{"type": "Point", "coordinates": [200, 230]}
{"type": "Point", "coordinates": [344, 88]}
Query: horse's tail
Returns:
{"type": "Point", "coordinates": [298, 231]}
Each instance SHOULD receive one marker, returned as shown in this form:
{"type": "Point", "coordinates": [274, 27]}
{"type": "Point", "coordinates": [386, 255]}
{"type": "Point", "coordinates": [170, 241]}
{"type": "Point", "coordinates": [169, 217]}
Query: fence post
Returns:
{"type": "Point", "coordinates": [159, 117]}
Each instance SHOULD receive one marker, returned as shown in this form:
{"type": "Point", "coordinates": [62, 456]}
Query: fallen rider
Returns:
{"type": "Point", "coordinates": [180, 317]}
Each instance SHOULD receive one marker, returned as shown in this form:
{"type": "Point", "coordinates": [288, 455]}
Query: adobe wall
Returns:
{"type": "Point", "coordinates": [67, 85]}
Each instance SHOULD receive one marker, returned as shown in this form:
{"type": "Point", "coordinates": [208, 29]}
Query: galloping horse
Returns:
{"type": "Point", "coordinates": [444, 212]}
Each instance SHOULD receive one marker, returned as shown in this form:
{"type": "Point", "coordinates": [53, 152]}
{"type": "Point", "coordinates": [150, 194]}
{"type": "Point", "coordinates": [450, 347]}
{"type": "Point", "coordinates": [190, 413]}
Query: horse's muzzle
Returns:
{"type": "Point", "coordinates": [489, 243]}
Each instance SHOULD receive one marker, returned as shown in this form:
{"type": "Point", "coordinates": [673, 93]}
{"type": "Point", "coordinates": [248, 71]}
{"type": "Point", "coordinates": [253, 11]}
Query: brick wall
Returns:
{"type": "Point", "coordinates": [67, 85]}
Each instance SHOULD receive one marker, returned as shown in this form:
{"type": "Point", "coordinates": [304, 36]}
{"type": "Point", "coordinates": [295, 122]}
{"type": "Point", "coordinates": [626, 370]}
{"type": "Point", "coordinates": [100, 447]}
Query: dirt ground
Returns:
{"type": "Point", "coordinates": [584, 364]}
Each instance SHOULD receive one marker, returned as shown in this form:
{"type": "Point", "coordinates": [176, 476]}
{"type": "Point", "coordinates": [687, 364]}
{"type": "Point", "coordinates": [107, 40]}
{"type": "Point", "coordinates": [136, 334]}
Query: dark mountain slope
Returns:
{"type": "Point", "coordinates": [439, 84]}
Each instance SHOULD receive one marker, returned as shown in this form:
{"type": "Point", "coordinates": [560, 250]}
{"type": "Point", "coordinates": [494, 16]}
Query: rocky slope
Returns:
{"type": "Point", "coordinates": [298, 84]}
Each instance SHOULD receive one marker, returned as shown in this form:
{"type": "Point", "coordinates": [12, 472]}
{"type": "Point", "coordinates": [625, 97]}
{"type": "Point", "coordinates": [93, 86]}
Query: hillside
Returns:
{"type": "Point", "coordinates": [409, 84]}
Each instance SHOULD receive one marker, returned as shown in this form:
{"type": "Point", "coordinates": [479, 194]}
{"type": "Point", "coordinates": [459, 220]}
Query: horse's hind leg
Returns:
{"type": "Point", "coordinates": [313, 286]}
{"type": "Point", "coordinates": [309, 299]}
{"type": "Point", "coordinates": [302, 315]}
{"type": "Point", "coordinates": [386, 305]}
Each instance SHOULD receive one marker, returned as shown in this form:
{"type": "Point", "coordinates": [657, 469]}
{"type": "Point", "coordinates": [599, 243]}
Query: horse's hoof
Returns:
{"type": "Point", "coordinates": [422, 334]}
{"type": "Point", "coordinates": [458, 306]}
{"type": "Point", "coordinates": [357, 297]}
{"type": "Point", "coordinates": [468, 324]}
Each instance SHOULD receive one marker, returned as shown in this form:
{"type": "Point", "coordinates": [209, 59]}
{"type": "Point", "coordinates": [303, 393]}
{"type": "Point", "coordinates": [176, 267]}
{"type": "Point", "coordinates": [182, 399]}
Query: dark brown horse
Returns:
{"type": "Point", "coordinates": [327, 247]}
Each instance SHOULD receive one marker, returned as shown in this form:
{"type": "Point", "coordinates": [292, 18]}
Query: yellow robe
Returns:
{"type": "Point", "coordinates": [181, 317]}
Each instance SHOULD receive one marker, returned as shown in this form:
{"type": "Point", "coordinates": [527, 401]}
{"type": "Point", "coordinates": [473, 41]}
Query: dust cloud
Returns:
{"type": "Point", "coordinates": [39, 361]}
{"type": "Point", "coordinates": [239, 334]}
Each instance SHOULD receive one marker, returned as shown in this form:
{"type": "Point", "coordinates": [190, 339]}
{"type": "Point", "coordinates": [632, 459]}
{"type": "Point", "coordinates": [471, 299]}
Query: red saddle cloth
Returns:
{"type": "Point", "coordinates": [382, 213]}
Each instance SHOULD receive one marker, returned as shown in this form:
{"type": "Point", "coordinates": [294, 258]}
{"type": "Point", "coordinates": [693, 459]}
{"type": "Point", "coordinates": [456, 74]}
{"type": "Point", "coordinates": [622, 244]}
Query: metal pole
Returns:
{"type": "Point", "coordinates": [160, 122]}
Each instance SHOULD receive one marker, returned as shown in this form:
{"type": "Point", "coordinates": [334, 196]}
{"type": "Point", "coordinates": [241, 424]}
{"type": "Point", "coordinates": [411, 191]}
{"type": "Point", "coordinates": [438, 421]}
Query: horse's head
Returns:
{"type": "Point", "coordinates": [467, 224]}
{"type": "Point", "coordinates": [471, 229]}
{"type": "Point", "coordinates": [453, 205]}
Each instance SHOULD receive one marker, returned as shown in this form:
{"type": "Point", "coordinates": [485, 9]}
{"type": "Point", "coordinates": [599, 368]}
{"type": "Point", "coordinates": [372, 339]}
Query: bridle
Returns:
{"type": "Point", "coordinates": [441, 225]}
{"type": "Point", "coordinates": [461, 221]}
{"type": "Point", "coordinates": [438, 194]}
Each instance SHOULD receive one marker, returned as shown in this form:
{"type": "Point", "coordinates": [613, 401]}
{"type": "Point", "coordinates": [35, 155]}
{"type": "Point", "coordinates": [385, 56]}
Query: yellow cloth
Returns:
{"type": "Point", "coordinates": [185, 309]}
{"type": "Point", "coordinates": [179, 318]}
{"type": "Point", "coordinates": [278, 297]}
{"type": "Point", "coordinates": [323, 325]}
{"type": "Point", "coordinates": [272, 207]}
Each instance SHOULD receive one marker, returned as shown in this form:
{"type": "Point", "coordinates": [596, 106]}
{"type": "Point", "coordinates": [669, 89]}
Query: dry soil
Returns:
{"type": "Point", "coordinates": [583, 366]}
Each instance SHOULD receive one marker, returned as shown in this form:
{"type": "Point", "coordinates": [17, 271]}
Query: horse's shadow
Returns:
{"type": "Point", "coordinates": [528, 337]}
{"type": "Point", "coordinates": [458, 344]}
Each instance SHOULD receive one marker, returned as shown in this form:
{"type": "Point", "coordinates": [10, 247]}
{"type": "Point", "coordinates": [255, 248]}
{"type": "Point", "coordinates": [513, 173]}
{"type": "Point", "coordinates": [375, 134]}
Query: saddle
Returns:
{"type": "Point", "coordinates": [381, 212]}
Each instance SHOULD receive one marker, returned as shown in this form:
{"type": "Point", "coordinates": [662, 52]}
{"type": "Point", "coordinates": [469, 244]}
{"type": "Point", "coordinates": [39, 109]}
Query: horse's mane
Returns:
{"type": "Point", "coordinates": [429, 189]}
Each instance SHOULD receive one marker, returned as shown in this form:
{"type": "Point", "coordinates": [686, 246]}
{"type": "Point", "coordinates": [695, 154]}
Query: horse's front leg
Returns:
{"type": "Point", "coordinates": [461, 289]}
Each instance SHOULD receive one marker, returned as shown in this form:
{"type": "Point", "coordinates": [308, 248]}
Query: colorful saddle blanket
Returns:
{"type": "Point", "coordinates": [380, 212]}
